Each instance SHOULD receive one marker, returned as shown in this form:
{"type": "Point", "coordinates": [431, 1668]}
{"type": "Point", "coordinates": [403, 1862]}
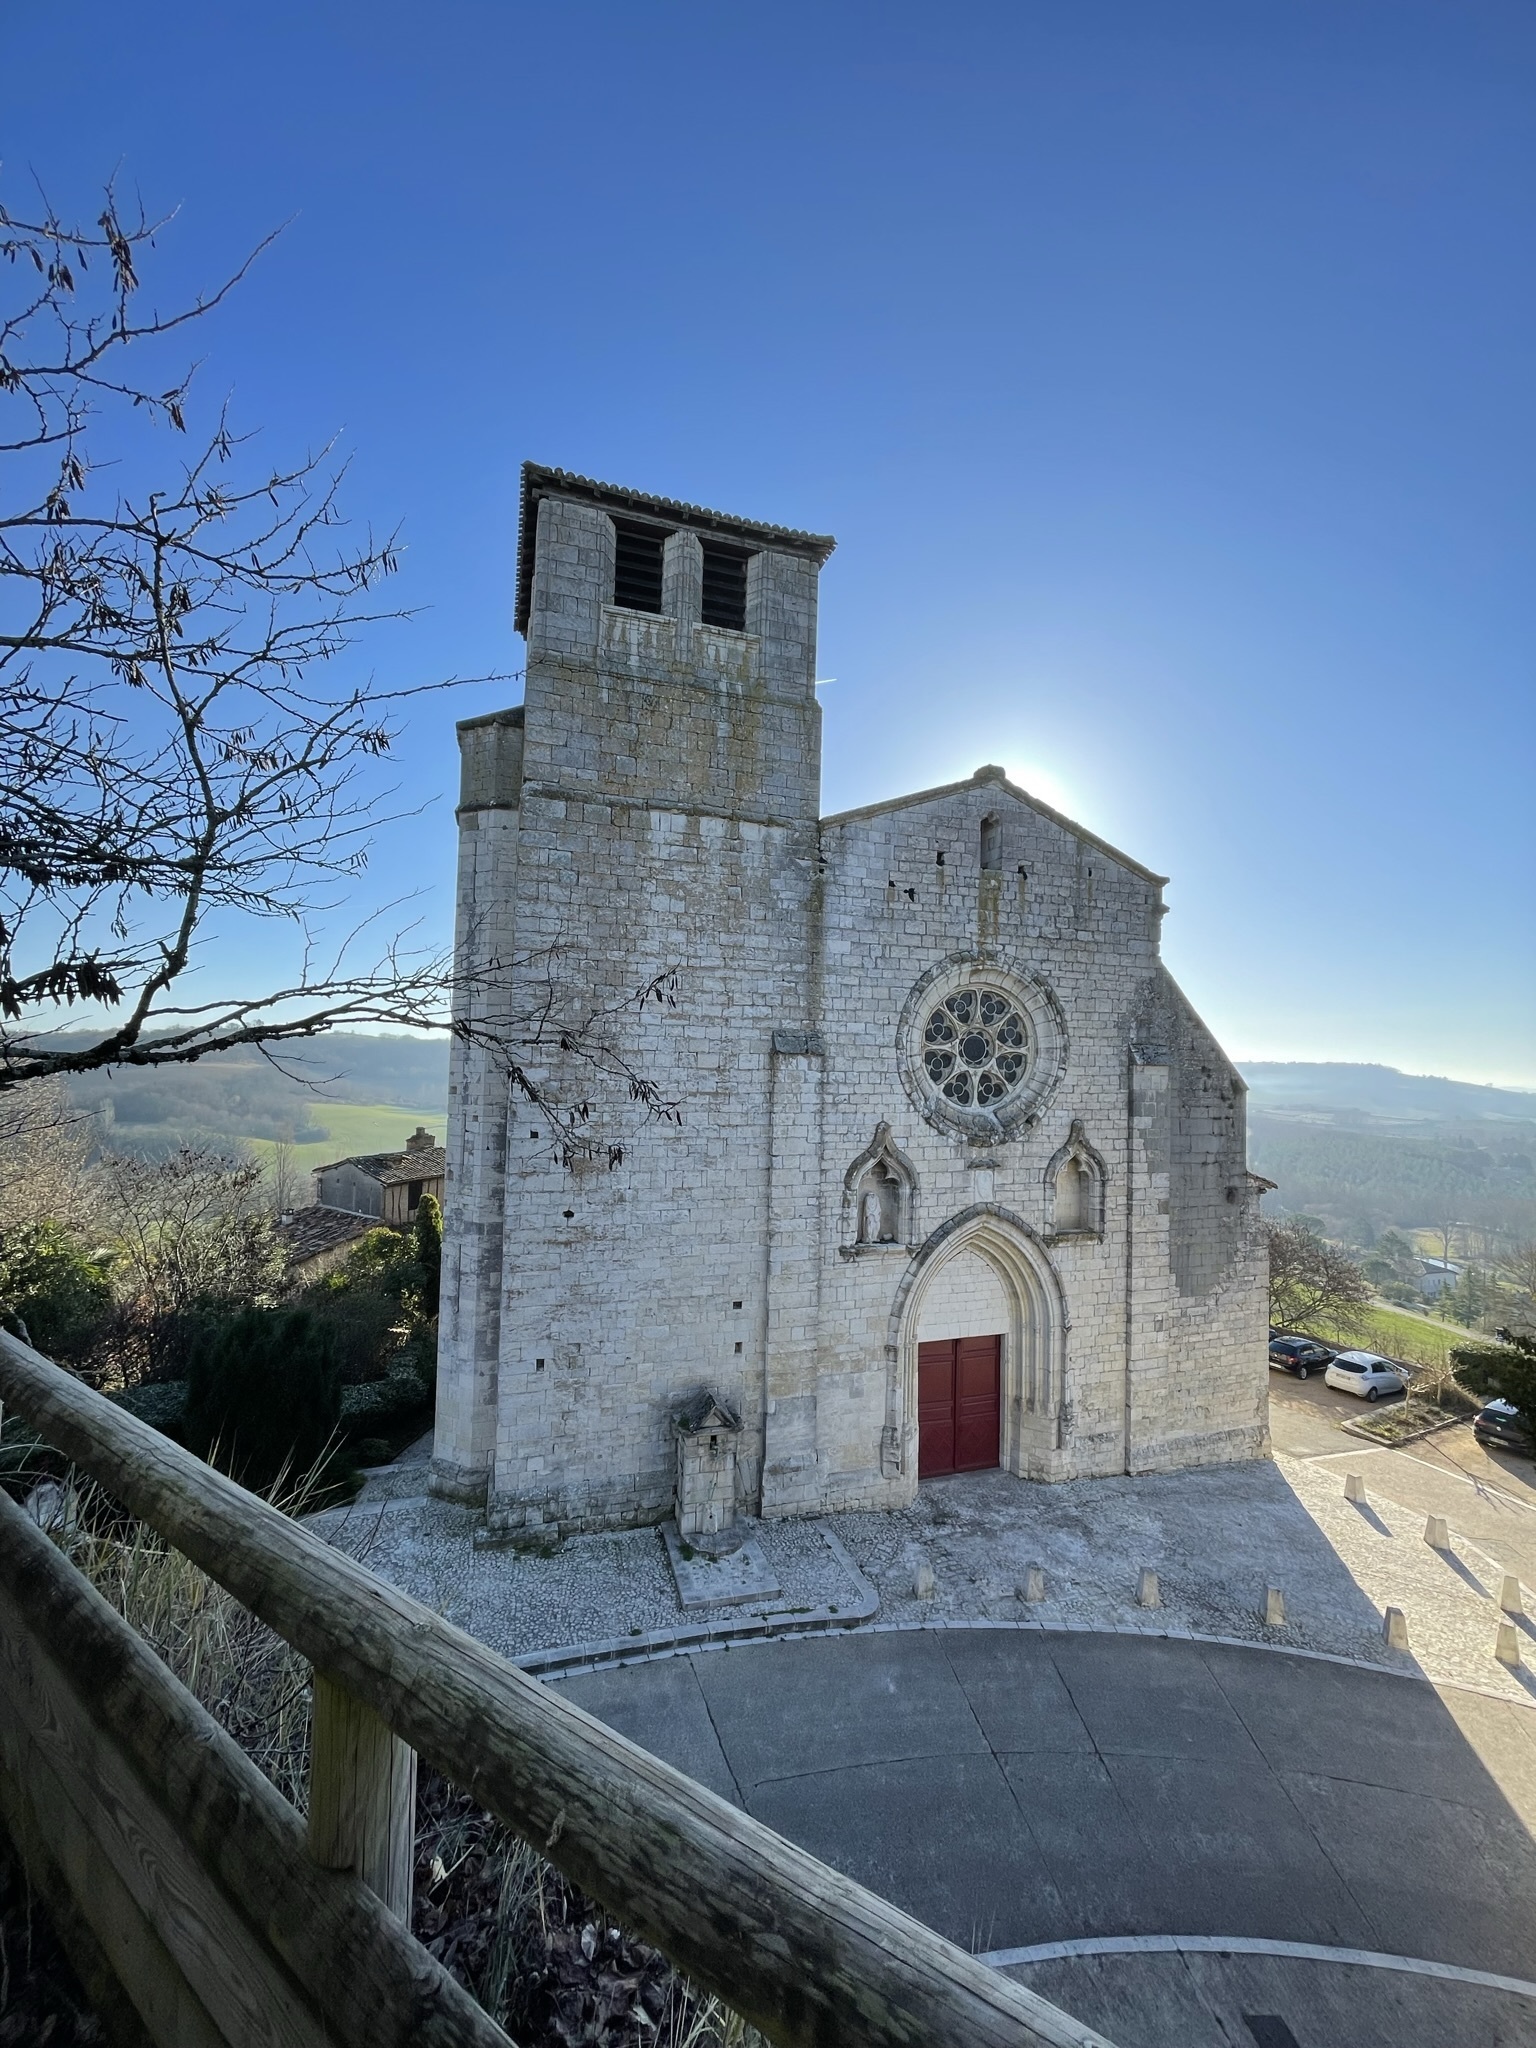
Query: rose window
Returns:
{"type": "Point", "coordinates": [976, 1047]}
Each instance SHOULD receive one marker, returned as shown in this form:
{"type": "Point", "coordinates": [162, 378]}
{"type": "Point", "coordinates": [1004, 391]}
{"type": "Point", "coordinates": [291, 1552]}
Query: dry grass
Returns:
{"type": "Point", "coordinates": [540, 1957]}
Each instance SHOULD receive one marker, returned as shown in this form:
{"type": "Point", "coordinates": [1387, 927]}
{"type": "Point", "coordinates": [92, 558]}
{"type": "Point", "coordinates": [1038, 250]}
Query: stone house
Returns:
{"type": "Point", "coordinates": [387, 1186]}
{"type": "Point", "coordinates": [317, 1240]}
{"type": "Point", "coordinates": [959, 1178]}
{"type": "Point", "coordinates": [354, 1196]}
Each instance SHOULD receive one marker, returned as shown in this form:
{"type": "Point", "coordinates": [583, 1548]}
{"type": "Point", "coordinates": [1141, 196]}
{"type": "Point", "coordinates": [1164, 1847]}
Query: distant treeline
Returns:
{"type": "Point", "coordinates": [1369, 1179]}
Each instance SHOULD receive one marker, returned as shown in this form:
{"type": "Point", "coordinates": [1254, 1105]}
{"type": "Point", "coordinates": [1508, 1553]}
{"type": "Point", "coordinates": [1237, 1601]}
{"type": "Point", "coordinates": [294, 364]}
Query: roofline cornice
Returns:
{"type": "Point", "coordinates": [539, 481]}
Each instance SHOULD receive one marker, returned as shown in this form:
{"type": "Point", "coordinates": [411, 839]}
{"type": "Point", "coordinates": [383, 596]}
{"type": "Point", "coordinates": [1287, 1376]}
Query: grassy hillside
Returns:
{"type": "Point", "coordinates": [1396, 1335]}
{"type": "Point", "coordinates": [241, 1097]}
{"type": "Point", "coordinates": [356, 1127]}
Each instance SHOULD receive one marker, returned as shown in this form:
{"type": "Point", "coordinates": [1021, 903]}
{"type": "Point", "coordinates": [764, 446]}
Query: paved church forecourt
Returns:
{"type": "Point", "coordinates": [1216, 1538]}
{"type": "Point", "coordinates": [1107, 1780]}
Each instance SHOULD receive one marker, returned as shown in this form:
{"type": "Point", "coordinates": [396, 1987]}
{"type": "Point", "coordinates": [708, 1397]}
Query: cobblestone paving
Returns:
{"type": "Point", "coordinates": [1216, 1539]}
{"type": "Point", "coordinates": [594, 1589]}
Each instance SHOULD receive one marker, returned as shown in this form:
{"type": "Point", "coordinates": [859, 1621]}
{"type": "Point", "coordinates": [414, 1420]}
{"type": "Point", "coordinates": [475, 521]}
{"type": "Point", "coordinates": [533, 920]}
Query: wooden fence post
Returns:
{"type": "Point", "coordinates": [362, 1796]}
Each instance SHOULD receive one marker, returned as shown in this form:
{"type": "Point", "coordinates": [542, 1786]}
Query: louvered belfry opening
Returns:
{"type": "Point", "coordinates": [637, 565]}
{"type": "Point", "coordinates": [725, 587]}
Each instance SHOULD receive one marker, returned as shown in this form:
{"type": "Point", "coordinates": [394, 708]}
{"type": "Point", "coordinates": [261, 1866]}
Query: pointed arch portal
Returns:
{"type": "Point", "coordinates": [985, 1266]}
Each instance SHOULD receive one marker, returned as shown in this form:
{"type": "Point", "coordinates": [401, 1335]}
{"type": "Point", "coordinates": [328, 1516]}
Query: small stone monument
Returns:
{"type": "Point", "coordinates": [1148, 1593]}
{"type": "Point", "coordinates": [1274, 1607]}
{"type": "Point", "coordinates": [1510, 1601]}
{"type": "Point", "coordinates": [705, 1499]}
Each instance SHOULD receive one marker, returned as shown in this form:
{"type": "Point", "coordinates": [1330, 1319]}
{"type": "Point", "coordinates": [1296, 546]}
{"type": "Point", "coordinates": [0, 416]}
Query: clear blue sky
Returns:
{"type": "Point", "coordinates": [1164, 371]}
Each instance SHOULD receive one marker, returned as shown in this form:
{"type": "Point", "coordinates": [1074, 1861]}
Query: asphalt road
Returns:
{"type": "Point", "coordinates": [1016, 1789]}
{"type": "Point", "coordinates": [1012, 1789]}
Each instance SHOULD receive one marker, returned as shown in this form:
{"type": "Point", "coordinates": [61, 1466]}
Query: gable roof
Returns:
{"type": "Point", "coordinates": [993, 774]}
{"type": "Point", "coordinates": [310, 1233]}
{"type": "Point", "coordinates": [704, 1411]}
{"type": "Point", "coordinates": [540, 482]}
{"type": "Point", "coordinates": [390, 1167]}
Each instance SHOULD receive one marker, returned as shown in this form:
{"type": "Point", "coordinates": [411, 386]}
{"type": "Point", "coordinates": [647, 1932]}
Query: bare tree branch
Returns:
{"type": "Point", "coordinates": [174, 751]}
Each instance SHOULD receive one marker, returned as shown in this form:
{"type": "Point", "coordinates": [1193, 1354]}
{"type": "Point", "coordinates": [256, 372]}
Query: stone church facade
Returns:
{"type": "Point", "coordinates": [958, 1177]}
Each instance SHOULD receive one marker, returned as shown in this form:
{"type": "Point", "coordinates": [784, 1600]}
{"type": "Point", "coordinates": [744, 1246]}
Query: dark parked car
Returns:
{"type": "Point", "coordinates": [1299, 1355]}
{"type": "Point", "coordinates": [1505, 1428]}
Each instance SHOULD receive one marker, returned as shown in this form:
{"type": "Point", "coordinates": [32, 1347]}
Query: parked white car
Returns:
{"type": "Point", "coordinates": [1367, 1374]}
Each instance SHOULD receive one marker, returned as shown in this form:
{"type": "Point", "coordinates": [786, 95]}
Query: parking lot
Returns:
{"type": "Point", "coordinates": [1490, 1496]}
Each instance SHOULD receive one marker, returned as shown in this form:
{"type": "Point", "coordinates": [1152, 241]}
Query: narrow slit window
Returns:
{"type": "Point", "coordinates": [725, 588]}
{"type": "Point", "coordinates": [991, 845]}
{"type": "Point", "coordinates": [637, 566]}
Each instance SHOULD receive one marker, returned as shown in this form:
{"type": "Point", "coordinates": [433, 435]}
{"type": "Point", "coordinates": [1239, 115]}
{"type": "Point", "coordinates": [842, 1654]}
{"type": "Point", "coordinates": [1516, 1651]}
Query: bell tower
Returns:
{"type": "Point", "coordinates": [667, 772]}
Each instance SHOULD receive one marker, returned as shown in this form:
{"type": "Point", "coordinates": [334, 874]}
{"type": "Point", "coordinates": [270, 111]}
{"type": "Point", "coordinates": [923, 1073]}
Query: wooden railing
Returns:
{"type": "Point", "coordinates": [197, 1887]}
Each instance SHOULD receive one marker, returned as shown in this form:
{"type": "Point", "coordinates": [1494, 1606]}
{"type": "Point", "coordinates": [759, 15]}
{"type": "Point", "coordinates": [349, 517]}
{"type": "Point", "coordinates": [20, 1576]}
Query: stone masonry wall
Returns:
{"type": "Point", "coordinates": [1086, 925]}
{"type": "Point", "coordinates": [669, 803]}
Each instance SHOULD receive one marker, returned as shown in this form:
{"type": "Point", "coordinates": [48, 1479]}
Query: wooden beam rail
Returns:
{"type": "Point", "coordinates": [189, 1868]}
{"type": "Point", "coordinates": [803, 1953]}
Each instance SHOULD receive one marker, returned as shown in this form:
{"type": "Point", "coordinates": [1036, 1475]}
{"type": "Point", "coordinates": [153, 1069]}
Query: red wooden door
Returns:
{"type": "Point", "coordinates": [978, 1362]}
{"type": "Point", "coordinates": [935, 1409]}
{"type": "Point", "coordinates": [959, 1405]}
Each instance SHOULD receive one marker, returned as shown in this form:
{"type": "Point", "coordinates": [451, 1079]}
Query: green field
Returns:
{"type": "Point", "coordinates": [355, 1127]}
{"type": "Point", "coordinates": [1395, 1335]}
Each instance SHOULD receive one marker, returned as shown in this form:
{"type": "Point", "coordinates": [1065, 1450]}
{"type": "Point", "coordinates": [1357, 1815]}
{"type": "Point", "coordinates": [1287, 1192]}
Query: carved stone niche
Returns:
{"type": "Point", "coordinates": [1074, 1190]}
{"type": "Point", "coordinates": [879, 1192]}
{"type": "Point", "coordinates": [704, 1501]}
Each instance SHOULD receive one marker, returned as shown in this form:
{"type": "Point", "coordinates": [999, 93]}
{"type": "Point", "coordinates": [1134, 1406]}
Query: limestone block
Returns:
{"type": "Point", "coordinates": [1507, 1645]}
{"type": "Point", "coordinates": [1436, 1533]}
{"type": "Point", "coordinates": [1354, 1487]}
{"type": "Point", "coordinates": [1274, 1607]}
{"type": "Point", "coordinates": [922, 1580]}
{"type": "Point", "coordinates": [1509, 1595]}
{"type": "Point", "coordinates": [1394, 1629]}
{"type": "Point", "coordinates": [1147, 1592]}
{"type": "Point", "coordinates": [1032, 1585]}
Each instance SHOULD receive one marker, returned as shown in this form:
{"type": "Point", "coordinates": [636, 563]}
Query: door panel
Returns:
{"type": "Point", "coordinates": [935, 1409]}
{"type": "Point", "coordinates": [977, 1407]}
{"type": "Point", "coordinates": [958, 1405]}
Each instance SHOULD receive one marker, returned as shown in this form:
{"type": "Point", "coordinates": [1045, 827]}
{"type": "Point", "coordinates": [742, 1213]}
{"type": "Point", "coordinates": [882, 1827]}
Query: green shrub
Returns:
{"type": "Point", "coordinates": [263, 1393]}
{"type": "Point", "coordinates": [379, 1406]}
{"type": "Point", "coordinates": [59, 1294]}
{"type": "Point", "coordinates": [1506, 1370]}
{"type": "Point", "coordinates": [428, 1235]}
{"type": "Point", "coordinates": [376, 1304]}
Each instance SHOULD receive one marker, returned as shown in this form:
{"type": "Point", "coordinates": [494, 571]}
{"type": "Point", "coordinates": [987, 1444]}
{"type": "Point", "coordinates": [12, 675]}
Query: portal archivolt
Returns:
{"type": "Point", "coordinates": [1034, 1336]}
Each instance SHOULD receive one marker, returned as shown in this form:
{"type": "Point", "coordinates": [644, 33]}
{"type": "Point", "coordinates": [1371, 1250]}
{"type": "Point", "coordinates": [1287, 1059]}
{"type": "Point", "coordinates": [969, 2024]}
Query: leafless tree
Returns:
{"type": "Point", "coordinates": [175, 755]}
{"type": "Point", "coordinates": [287, 1183]}
{"type": "Point", "coordinates": [46, 1154]}
{"type": "Point", "coordinates": [1312, 1284]}
{"type": "Point", "coordinates": [193, 1233]}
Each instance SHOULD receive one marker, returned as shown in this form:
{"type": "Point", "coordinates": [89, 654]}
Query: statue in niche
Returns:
{"type": "Point", "coordinates": [879, 1207]}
